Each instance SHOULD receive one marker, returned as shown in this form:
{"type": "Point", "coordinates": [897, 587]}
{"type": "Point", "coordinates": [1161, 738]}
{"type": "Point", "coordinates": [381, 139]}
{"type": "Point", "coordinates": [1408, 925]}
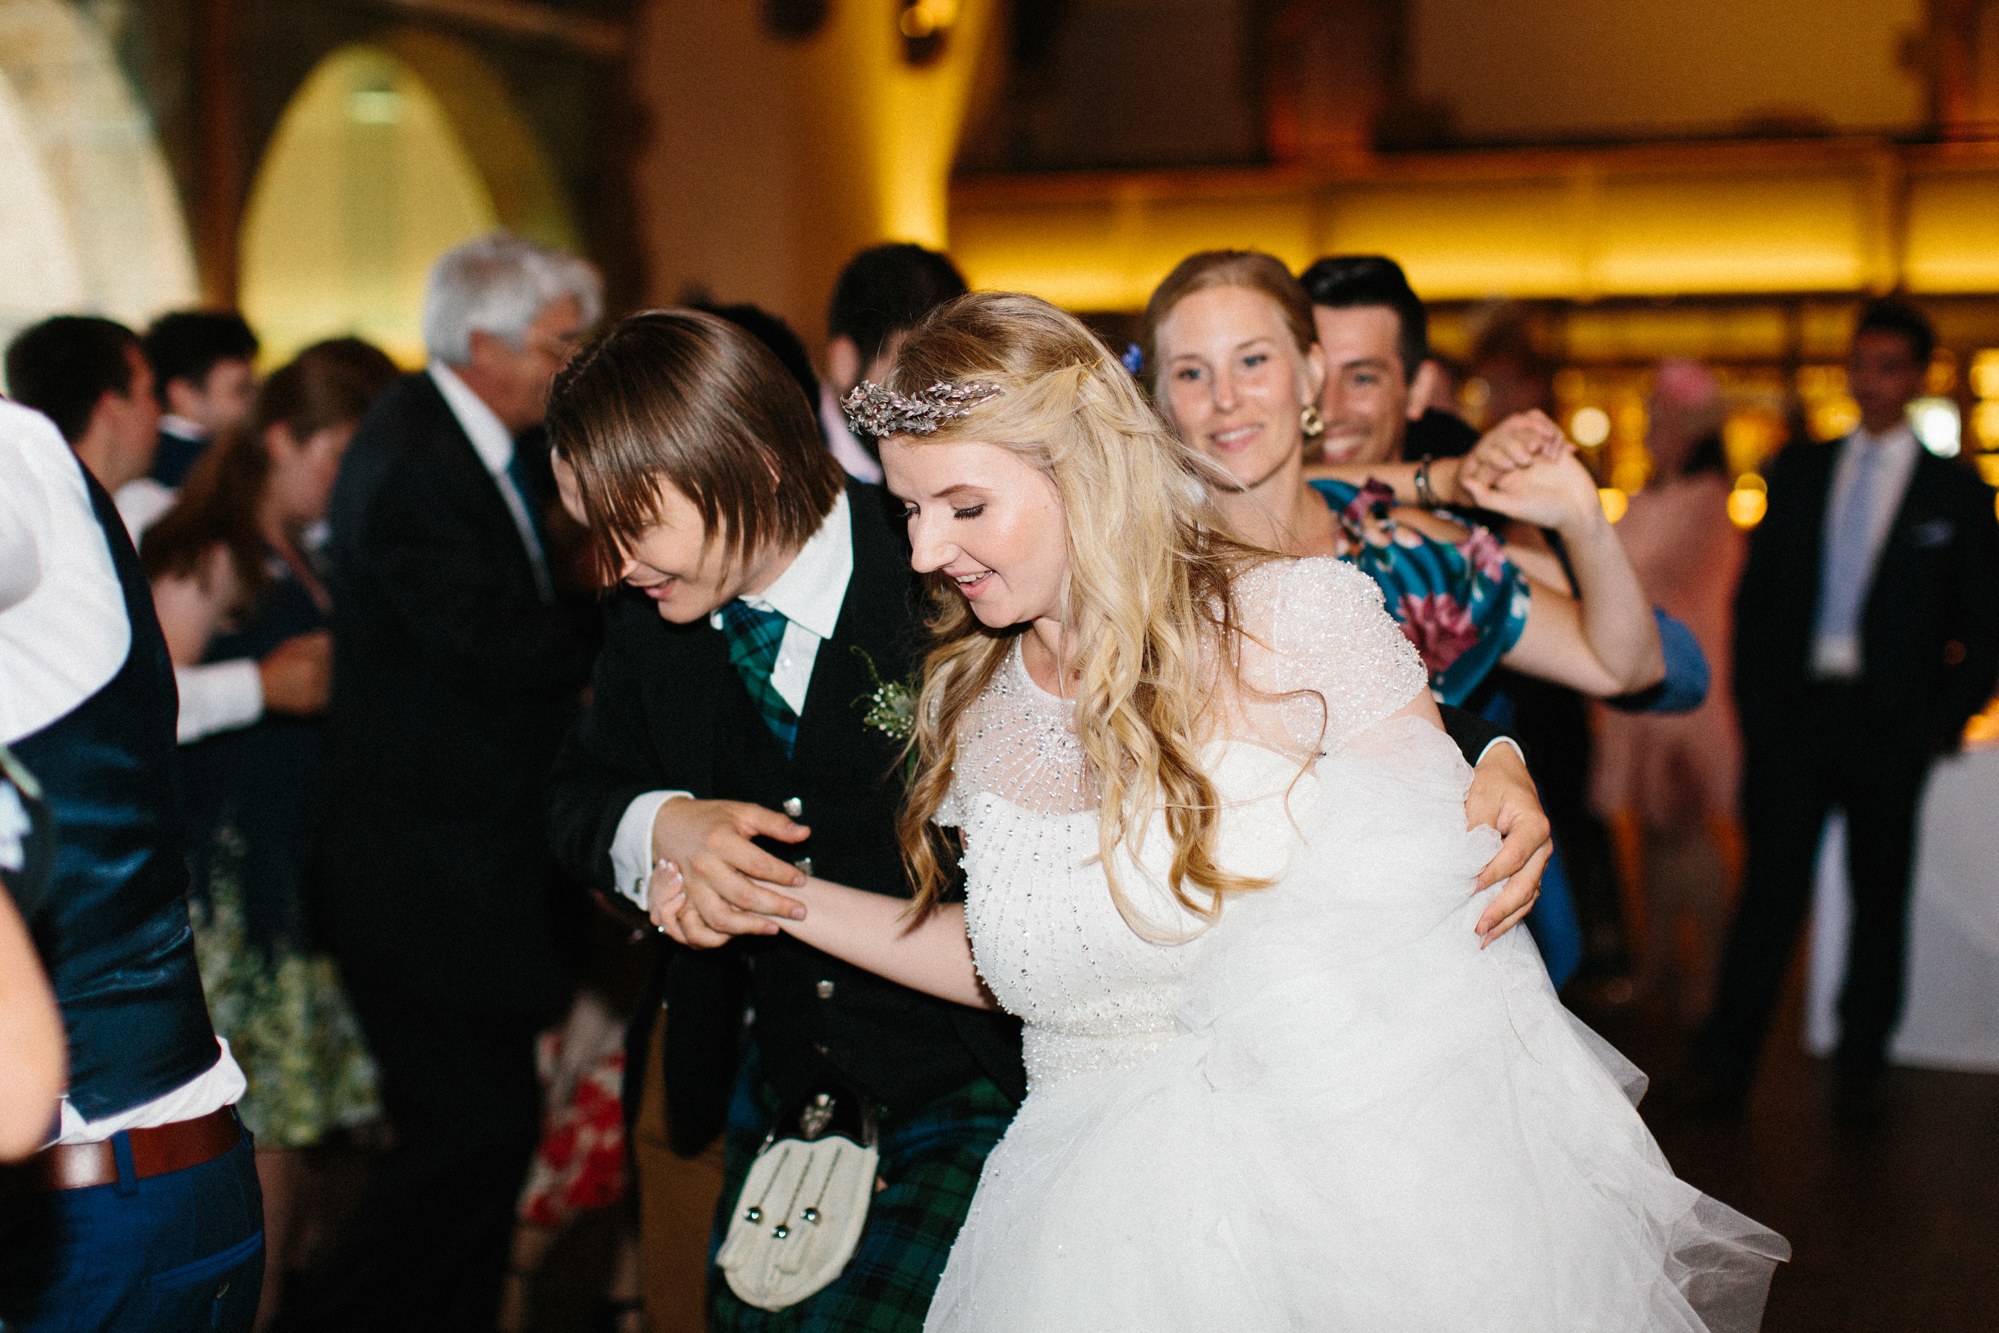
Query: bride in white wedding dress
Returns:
{"type": "Point", "coordinates": [1215, 858]}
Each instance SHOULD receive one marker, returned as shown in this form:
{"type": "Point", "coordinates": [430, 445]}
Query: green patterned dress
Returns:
{"type": "Point", "coordinates": [280, 1005]}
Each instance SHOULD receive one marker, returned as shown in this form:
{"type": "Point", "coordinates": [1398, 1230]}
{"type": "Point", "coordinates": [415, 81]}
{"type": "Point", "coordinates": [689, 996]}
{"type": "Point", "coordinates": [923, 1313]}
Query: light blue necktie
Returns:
{"type": "Point", "coordinates": [1848, 551]}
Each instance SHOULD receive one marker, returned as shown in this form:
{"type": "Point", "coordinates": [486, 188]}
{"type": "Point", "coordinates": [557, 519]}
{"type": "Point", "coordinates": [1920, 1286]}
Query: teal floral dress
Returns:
{"type": "Point", "coordinates": [1463, 604]}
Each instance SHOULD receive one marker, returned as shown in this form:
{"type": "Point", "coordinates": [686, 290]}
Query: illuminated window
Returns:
{"type": "Point", "coordinates": [386, 157]}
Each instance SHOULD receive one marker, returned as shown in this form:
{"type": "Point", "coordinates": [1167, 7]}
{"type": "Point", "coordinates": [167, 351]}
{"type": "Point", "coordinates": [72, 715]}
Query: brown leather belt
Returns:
{"type": "Point", "coordinates": [155, 1152]}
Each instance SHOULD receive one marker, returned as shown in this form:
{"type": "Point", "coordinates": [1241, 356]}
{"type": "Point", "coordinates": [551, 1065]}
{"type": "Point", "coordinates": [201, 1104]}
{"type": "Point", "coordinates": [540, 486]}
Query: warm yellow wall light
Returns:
{"type": "Point", "coordinates": [364, 185]}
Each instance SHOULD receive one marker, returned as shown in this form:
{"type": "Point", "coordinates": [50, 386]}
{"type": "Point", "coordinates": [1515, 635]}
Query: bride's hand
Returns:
{"type": "Point", "coordinates": [1503, 795]}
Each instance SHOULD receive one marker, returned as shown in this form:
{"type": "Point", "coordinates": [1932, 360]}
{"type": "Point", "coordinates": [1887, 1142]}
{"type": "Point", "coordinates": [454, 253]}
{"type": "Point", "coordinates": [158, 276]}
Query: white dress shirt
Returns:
{"type": "Point", "coordinates": [141, 502]}
{"type": "Point", "coordinates": [809, 595]}
{"type": "Point", "coordinates": [190, 430]}
{"type": "Point", "coordinates": [1838, 657]}
{"type": "Point", "coordinates": [63, 635]}
{"type": "Point", "coordinates": [494, 444]}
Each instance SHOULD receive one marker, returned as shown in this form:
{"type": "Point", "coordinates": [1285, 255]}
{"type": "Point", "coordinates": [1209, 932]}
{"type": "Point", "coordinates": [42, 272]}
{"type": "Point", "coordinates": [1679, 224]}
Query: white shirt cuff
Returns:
{"type": "Point", "coordinates": [219, 696]}
{"type": "Point", "coordinates": [631, 846]}
{"type": "Point", "coordinates": [1501, 740]}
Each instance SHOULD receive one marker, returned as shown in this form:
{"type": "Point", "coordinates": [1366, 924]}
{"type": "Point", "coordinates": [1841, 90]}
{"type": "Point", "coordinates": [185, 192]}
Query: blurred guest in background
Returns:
{"type": "Point", "coordinates": [1507, 359]}
{"type": "Point", "coordinates": [204, 377]}
{"type": "Point", "coordinates": [1668, 783]}
{"type": "Point", "coordinates": [457, 667]}
{"type": "Point", "coordinates": [774, 333]}
{"type": "Point", "coordinates": [1866, 634]}
{"type": "Point", "coordinates": [233, 579]}
{"type": "Point", "coordinates": [89, 376]}
{"type": "Point", "coordinates": [149, 1176]}
{"type": "Point", "coordinates": [882, 293]}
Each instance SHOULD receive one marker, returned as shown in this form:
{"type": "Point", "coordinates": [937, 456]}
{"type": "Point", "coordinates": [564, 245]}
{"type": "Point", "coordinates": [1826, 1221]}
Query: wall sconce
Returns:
{"type": "Point", "coordinates": [924, 24]}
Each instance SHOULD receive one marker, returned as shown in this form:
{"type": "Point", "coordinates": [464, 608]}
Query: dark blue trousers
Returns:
{"type": "Point", "coordinates": [169, 1254]}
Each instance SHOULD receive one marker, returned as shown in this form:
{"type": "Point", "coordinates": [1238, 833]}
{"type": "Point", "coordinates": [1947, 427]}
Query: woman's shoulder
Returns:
{"type": "Point", "coordinates": [1301, 584]}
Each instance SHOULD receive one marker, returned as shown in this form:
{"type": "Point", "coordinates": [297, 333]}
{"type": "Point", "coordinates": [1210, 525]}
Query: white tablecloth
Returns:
{"type": "Point", "coordinates": [1951, 1019]}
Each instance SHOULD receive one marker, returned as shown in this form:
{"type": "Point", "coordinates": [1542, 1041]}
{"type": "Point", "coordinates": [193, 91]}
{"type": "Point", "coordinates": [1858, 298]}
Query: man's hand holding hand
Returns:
{"type": "Point", "coordinates": [701, 891]}
{"type": "Point", "coordinates": [1503, 795]}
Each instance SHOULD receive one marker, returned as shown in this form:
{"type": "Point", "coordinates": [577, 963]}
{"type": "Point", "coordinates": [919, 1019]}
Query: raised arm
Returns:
{"type": "Point", "coordinates": [1516, 442]}
{"type": "Point", "coordinates": [1604, 641]}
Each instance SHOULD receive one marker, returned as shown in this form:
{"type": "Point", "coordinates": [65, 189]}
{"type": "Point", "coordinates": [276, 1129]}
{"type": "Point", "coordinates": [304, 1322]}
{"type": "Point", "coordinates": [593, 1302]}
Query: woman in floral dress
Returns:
{"type": "Point", "coordinates": [1234, 365]}
{"type": "Point", "coordinates": [233, 577]}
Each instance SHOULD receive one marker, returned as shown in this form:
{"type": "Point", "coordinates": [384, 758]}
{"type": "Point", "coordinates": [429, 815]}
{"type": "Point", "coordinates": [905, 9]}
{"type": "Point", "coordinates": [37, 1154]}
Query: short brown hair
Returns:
{"type": "Point", "coordinates": [1250, 269]}
{"type": "Point", "coordinates": [682, 397]}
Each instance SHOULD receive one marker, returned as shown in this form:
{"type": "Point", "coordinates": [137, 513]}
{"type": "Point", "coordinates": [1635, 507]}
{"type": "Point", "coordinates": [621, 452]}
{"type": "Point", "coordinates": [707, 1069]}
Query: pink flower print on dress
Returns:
{"type": "Point", "coordinates": [1365, 518]}
{"type": "Point", "coordinates": [1483, 552]}
{"type": "Point", "coordinates": [1439, 626]}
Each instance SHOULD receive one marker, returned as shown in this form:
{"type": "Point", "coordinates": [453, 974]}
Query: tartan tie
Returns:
{"type": "Point", "coordinates": [754, 637]}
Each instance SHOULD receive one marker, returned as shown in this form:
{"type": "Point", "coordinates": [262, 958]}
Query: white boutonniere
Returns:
{"type": "Point", "coordinates": [890, 704]}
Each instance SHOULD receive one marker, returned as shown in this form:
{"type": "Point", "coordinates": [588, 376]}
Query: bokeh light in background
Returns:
{"type": "Point", "coordinates": [1748, 502]}
{"type": "Point", "coordinates": [1936, 424]}
{"type": "Point", "coordinates": [1590, 426]}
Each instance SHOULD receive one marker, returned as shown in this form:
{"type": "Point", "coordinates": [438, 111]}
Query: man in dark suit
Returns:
{"type": "Point", "coordinates": [206, 380]}
{"type": "Point", "coordinates": [1866, 634]}
{"type": "Point", "coordinates": [458, 665]}
{"type": "Point", "coordinates": [766, 605]}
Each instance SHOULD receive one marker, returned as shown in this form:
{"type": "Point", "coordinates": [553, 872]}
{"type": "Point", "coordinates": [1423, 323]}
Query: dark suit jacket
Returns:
{"type": "Point", "coordinates": [668, 712]}
{"type": "Point", "coordinates": [1930, 624]}
{"type": "Point", "coordinates": [453, 684]}
{"type": "Point", "coordinates": [174, 456]}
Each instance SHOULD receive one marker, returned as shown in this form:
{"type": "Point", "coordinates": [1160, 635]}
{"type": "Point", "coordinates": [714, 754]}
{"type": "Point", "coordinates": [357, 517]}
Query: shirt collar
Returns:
{"type": "Point", "coordinates": [812, 588]}
{"type": "Point", "coordinates": [173, 424]}
{"type": "Point", "coordinates": [1896, 438]}
{"type": "Point", "coordinates": [489, 435]}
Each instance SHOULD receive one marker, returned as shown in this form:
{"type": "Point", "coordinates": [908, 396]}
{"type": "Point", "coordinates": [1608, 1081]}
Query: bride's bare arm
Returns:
{"type": "Point", "coordinates": [930, 953]}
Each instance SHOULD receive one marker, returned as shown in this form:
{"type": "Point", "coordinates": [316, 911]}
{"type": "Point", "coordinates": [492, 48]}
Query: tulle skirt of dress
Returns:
{"type": "Point", "coordinates": [1365, 1123]}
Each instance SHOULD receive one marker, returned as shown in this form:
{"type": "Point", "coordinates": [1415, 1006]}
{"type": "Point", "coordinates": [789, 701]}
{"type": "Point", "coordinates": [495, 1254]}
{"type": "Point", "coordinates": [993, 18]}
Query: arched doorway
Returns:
{"type": "Point", "coordinates": [89, 220]}
{"type": "Point", "coordinates": [387, 155]}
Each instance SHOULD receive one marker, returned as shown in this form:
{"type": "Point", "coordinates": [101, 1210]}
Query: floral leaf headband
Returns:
{"type": "Point", "coordinates": [874, 410]}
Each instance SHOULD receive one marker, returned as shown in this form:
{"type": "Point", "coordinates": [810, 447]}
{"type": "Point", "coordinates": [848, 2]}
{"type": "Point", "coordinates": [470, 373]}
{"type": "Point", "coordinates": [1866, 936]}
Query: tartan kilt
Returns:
{"type": "Point", "coordinates": [931, 1159]}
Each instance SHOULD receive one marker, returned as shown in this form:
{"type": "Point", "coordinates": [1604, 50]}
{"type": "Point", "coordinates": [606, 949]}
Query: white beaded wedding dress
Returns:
{"type": "Point", "coordinates": [1330, 1109]}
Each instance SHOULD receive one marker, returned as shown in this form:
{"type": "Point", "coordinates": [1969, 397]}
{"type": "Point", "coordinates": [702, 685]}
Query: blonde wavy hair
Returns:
{"type": "Point", "coordinates": [1149, 617]}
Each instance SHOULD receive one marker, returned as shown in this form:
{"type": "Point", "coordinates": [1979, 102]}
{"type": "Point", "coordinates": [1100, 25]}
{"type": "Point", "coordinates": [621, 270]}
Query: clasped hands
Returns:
{"type": "Point", "coordinates": [710, 880]}
{"type": "Point", "coordinates": [1525, 469]}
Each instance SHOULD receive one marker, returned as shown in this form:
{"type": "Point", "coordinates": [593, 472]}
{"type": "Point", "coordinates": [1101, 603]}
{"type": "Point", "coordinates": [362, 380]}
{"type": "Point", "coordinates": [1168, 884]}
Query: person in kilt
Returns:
{"type": "Point", "coordinates": [746, 728]}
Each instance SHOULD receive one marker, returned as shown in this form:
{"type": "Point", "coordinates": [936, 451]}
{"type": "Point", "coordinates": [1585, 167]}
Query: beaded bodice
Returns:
{"type": "Point", "coordinates": [1320, 660]}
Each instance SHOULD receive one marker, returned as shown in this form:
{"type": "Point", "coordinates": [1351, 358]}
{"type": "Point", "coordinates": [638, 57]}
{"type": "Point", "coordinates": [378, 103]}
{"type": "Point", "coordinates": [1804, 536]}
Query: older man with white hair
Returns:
{"type": "Point", "coordinates": [458, 664]}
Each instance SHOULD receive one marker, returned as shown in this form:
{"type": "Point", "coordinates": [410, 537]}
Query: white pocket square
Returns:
{"type": "Point", "coordinates": [1936, 532]}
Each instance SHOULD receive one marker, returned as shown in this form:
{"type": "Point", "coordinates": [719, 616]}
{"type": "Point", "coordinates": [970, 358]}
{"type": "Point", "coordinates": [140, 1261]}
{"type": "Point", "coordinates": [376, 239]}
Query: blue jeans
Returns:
{"type": "Point", "coordinates": [181, 1251]}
